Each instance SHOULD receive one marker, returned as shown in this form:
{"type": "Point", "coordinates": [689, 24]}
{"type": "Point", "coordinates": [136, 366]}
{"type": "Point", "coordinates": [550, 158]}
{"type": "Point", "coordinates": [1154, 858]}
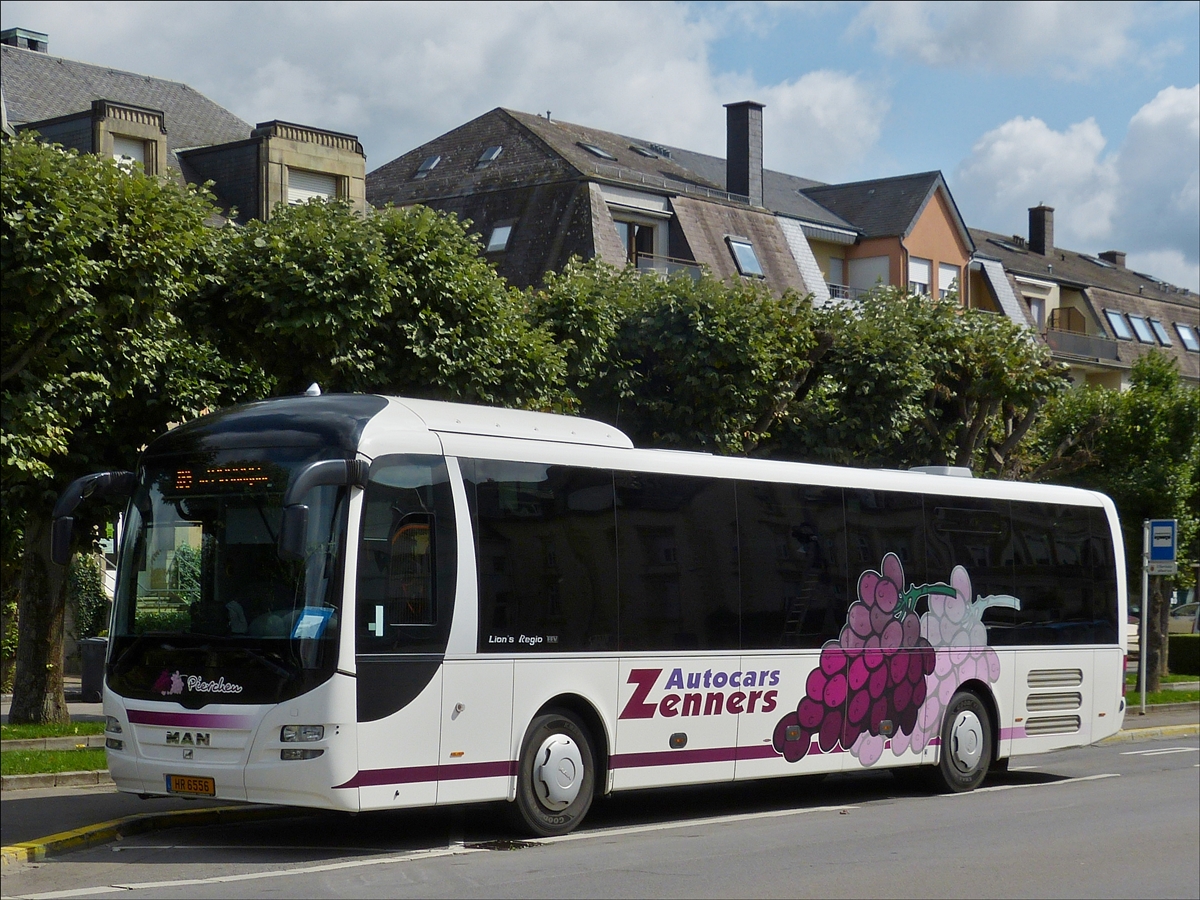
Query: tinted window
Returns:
{"type": "Point", "coordinates": [1104, 579]}
{"type": "Point", "coordinates": [1052, 550]}
{"type": "Point", "coordinates": [677, 540]}
{"type": "Point", "coordinates": [880, 522]}
{"type": "Point", "coordinates": [546, 555]}
{"type": "Point", "coordinates": [793, 561]}
{"type": "Point", "coordinates": [407, 557]}
{"type": "Point", "coordinates": [974, 534]}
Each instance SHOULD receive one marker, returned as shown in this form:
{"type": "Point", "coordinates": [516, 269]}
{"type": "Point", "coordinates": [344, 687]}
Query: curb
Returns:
{"type": "Point", "coordinates": [91, 835]}
{"type": "Point", "coordinates": [68, 742]}
{"type": "Point", "coordinates": [55, 779]}
{"type": "Point", "coordinates": [1146, 734]}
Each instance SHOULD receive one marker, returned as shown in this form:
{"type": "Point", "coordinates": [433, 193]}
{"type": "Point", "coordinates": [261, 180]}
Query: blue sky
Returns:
{"type": "Point", "coordinates": [1093, 108]}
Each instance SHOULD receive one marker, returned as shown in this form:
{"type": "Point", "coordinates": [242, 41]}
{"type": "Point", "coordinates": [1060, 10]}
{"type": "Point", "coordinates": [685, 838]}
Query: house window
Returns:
{"type": "Point", "coordinates": [427, 165]}
{"type": "Point", "coordinates": [744, 256]}
{"type": "Point", "coordinates": [303, 186]}
{"type": "Point", "coordinates": [488, 156]}
{"type": "Point", "coordinates": [1141, 329]}
{"type": "Point", "coordinates": [637, 238]}
{"type": "Point", "coordinates": [597, 151]}
{"type": "Point", "coordinates": [1160, 332]}
{"type": "Point", "coordinates": [1037, 311]}
{"type": "Point", "coordinates": [1187, 334]}
{"type": "Point", "coordinates": [1119, 327]}
{"type": "Point", "coordinates": [947, 281]}
{"type": "Point", "coordinates": [498, 240]}
{"type": "Point", "coordinates": [919, 275]}
{"type": "Point", "coordinates": [128, 151]}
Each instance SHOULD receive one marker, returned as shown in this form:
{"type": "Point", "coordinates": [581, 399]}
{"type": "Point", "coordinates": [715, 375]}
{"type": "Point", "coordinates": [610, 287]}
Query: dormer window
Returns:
{"type": "Point", "coordinates": [597, 151]}
{"type": "Point", "coordinates": [128, 151]}
{"type": "Point", "coordinates": [745, 257]}
{"type": "Point", "coordinates": [498, 239]}
{"type": "Point", "coordinates": [427, 166]}
{"type": "Point", "coordinates": [488, 156]}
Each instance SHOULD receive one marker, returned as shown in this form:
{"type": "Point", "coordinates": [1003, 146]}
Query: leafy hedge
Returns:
{"type": "Point", "coordinates": [1184, 654]}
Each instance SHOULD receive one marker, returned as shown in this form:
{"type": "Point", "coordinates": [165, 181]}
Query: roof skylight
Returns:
{"type": "Point", "coordinates": [1119, 326]}
{"type": "Point", "coordinates": [498, 240]}
{"type": "Point", "coordinates": [745, 257]}
{"type": "Point", "coordinates": [427, 166]}
{"type": "Point", "coordinates": [1160, 332]}
{"type": "Point", "coordinates": [1097, 261]}
{"type": "Point", "coordinates": [644, 151]}
{"type": "Point", "coordinates": [488, 156]}
{"type": "Point", "coordinates": [1141, 329]}
{"type": "Point", "coordinates": [597, 151]}
{"type": "Point", "coordinates": [1187, 334]}
{"type": "Point", "coordinates": [1006, 245]}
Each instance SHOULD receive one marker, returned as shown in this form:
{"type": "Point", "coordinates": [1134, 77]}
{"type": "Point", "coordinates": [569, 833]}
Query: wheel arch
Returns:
{"type": "Point", "coordinates": [591, 718]}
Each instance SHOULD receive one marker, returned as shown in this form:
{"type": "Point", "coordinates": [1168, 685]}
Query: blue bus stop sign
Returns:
{"type": "Point", "coordinates": [1163, 535]}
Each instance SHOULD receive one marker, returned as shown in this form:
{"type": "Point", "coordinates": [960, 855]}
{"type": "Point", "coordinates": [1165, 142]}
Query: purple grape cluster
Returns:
{"type": "Point", "coordinates": [873, 674]}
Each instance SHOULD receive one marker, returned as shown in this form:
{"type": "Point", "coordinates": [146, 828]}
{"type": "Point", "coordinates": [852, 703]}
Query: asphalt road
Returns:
{"type": "Point", "coordinates": [1122, 820]}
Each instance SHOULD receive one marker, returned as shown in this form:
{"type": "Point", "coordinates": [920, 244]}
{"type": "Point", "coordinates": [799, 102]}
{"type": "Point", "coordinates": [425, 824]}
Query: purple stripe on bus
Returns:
{"type": "Point", "coordinates": [189, 720]}
{"type": "Point", "coordinates": [414, 774]}
{"type": "Point", "coordinates": [1018, 732]}
{"type": "Point", "coordinates": [671, 757]}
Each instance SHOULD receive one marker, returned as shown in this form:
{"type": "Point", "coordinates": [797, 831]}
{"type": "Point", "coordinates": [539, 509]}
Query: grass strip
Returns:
{"type": "Point", "coordinates": [30, 732]}
{"type": "Point", "coordinates": [1134, 698]}
{"type": "Point", "coordinates": [40, 762]}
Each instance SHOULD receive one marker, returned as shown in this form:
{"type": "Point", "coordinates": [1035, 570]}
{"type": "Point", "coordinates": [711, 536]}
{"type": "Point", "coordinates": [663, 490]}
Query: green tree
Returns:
{"type": "Point", "coordinates": [700, 364]}
{"type": "Point", "coordinates": [1140, 446]}
{"type": "Point", "coordinates": [400, 301]}
{"type": "Point", "coordinates": [95, 261]}
{"type": "Point", "coordinates": [914, 380]}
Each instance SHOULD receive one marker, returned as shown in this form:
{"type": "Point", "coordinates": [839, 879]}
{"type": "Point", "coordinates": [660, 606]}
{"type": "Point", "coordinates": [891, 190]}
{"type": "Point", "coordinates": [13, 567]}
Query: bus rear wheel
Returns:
{"type": "Point", "coordinates": [966, 744]}
{"type": "Point", "coordinates": [556, 775]}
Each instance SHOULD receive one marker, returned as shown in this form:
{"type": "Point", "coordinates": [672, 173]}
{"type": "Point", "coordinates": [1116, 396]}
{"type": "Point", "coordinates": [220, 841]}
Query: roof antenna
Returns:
{"type": "Point", "coordinates": [314, 390]}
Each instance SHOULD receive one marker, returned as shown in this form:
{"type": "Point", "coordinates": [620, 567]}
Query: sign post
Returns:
{"type": "Point", "coordinates": [1158, 558]}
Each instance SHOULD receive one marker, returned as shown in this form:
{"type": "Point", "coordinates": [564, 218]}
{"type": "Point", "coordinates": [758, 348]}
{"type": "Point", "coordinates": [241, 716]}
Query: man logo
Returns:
{"type": "Point", "coordinates": [187, 739]}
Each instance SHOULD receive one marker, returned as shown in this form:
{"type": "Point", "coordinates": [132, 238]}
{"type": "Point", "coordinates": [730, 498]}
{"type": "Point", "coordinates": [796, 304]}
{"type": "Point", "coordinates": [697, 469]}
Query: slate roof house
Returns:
{"type": "Point", "coordinates": [173, 130]}
{"type": "Point", "coordinates": [538, 191]}
{"type": "Point", "coordinates": [1097, 315]}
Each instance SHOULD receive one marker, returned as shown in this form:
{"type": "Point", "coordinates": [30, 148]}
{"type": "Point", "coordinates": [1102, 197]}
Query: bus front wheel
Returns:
{"type": "Point", "coordinates": [966, 744]}
{"type": "Point", "coordinates": [556, 775]}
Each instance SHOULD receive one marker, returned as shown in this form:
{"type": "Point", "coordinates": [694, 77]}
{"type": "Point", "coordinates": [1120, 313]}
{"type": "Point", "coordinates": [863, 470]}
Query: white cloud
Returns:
{"type": "Point", "coordinates": [1069, 39]}
{"type": "Point", "coordinates": [398, 75]}
{"type": "Point", "coordinates": [1143, 199]}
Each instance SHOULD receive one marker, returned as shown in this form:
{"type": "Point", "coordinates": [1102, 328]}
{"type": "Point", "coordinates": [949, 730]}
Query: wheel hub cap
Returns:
{"type": "Point", "coordinates": [966, 741]}
{"type": "Point", "coordinates": [559, 771]}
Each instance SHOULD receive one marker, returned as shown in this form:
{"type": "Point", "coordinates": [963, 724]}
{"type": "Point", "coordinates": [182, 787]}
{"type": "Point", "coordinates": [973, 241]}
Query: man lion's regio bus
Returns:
{"type": "Point", "coordinates": [359, 602]}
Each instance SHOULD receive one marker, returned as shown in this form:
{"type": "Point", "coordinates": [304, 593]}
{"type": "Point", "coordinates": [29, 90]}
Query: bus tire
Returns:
{"type": "Point", "coordinates": [966, 749]}
{"type": "Point", "coordinates": [556, 774]}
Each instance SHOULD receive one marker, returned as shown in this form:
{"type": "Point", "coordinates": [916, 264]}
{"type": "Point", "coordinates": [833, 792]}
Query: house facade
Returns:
{"type": "Point", "coordinates": [174, 131]}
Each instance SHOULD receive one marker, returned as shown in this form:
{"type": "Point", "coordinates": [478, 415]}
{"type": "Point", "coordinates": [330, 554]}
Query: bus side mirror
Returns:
{"type": "Point", "coordinates": [96, 485]}
{"type": "Point", "coordinates": [293, 531]}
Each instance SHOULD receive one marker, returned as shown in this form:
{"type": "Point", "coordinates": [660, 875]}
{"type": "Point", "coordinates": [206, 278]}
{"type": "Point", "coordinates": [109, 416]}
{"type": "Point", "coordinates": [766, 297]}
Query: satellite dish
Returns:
{"type": "Point", "coordinates": [314, 390]}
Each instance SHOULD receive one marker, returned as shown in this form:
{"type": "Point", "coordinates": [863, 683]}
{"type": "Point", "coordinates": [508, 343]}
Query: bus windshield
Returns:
{"type": "Point", "coordinates": [205, 610]}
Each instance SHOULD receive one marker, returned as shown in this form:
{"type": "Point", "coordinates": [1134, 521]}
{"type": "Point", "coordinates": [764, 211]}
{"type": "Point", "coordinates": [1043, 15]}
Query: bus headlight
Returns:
{"type": "Point", "coordinates": [112, 725]}
{"type": "Point", "coordinates": [291, 733]}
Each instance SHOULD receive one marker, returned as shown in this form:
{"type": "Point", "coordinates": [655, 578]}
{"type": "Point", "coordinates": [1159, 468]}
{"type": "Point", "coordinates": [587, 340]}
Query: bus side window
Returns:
{"type": "Point", "coordinates": [410, 570]}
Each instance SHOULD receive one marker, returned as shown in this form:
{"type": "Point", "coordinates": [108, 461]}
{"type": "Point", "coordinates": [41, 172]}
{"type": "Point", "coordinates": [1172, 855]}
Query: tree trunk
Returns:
{"type": "Point", "coordinates": [38, 680]}
{"type": "Point", "coordinates": [1164, 623]}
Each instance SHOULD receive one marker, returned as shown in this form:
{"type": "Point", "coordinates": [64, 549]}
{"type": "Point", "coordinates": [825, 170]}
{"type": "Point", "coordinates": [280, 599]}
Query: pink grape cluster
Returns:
{"type": "Point", "coordinates": [953, 625]}
{"type": "Point", "coordinates": [874, 673]}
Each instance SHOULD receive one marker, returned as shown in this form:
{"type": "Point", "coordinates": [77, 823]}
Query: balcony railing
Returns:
{"type": "Point", "coordinates": [845, 292]}
{"type": "Point", "coordinates": [1081, 344]}
{"type": "Point", "coordinates": [668, 266]}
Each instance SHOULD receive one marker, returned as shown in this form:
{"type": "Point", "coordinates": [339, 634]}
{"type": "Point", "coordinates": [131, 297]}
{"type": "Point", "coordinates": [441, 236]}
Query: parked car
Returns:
{"type": "Point", "coordinates": [1185, 619]}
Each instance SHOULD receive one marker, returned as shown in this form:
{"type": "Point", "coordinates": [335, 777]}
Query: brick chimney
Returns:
{"type": "Point", "coordinates": [1041, 229]}
{"type": "Point", "coordinates": [1116, 257]}
{"type": "Point", "coordinates": [25, 39]}
{"type": "Point", "coordinates": [744, 150]}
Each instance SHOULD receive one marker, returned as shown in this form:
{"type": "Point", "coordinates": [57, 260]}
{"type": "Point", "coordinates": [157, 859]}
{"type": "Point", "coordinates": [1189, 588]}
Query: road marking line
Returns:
{"type": "Point", "coordinates": [253, 876]}
{"type": "Point", "coordinates": [1011, 787]}
{"type": "Point", "coordinates": [689, 823]}
{"type": "Point", "coordinates": [1022, 768]}
{"type": "Point", "coordinates": [1160, 751]}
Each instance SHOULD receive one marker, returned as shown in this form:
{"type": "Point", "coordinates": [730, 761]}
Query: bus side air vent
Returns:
{"type": "Point", "coordinates": [1051, 725]}
{"type": "Point", "coordinates": [1055, 678]}
{"type": "Point", "coordinates": [1042, 702]}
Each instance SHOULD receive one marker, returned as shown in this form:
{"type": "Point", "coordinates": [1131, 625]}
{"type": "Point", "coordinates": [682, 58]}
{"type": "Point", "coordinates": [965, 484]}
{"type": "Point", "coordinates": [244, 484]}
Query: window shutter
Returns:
{"type": "Point", "coordinates": [129, 148]}
{"type": "Point", "coordinates": [304, 186]}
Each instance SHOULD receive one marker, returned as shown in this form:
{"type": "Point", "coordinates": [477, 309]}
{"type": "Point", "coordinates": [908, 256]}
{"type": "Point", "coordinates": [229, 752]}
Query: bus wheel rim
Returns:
{"type": "Point", "coordinates": [966, 741]}
{"type": "Point", "coordinates": [559, 771]}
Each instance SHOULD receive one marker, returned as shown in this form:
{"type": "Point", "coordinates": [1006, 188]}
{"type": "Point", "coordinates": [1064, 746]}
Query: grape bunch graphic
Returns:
{"type": "Point", "coordinates": [883, 678]}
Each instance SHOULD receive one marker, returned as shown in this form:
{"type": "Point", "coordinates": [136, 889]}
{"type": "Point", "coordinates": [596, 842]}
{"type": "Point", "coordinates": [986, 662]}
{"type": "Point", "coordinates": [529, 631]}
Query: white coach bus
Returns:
{"type": "Point", "coordinates": [359, 602]}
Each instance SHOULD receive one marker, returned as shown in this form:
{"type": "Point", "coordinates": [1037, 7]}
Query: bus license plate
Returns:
{"type": "Point", "coordinates": [189, 784]}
